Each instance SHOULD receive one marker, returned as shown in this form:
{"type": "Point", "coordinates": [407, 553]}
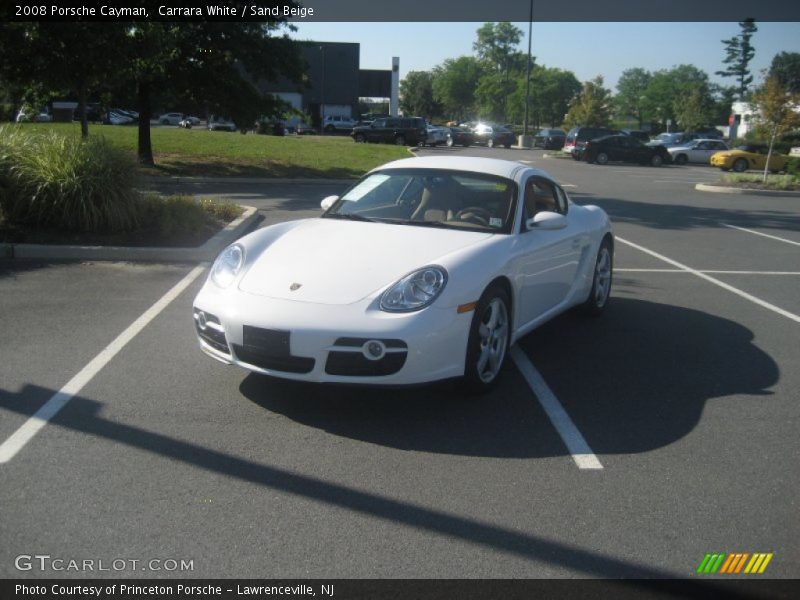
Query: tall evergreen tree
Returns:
{"type": "Point", "coordinates": [738, 54]}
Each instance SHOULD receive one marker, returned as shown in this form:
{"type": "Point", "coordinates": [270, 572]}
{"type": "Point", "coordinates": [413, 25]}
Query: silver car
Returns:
{"type": "Point", "coordinates": [697, 151]}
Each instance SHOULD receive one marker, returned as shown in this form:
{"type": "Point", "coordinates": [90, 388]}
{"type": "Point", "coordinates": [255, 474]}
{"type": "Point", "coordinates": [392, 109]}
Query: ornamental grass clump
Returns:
{"type": "Point", "coordinates": [64, 182]}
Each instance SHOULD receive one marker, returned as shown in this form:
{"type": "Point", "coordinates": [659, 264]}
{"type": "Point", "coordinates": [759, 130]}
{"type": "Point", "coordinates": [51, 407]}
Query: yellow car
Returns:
{"type": "Point", "coordinates": [748, 157]}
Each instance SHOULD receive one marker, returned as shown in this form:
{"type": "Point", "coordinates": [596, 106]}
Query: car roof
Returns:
{"type": "Point", "coordinates": [491, 166]}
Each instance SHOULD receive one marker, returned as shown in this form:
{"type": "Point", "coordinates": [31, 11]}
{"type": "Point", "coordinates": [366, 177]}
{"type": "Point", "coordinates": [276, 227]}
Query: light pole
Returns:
{"type": "Point", "coordinates": [322, 94]}
{"type": "Point", "coordinates": [525, 139]}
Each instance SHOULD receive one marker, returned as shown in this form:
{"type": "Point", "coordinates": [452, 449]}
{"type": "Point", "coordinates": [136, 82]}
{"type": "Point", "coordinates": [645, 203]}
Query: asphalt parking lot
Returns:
{"type": "Point", "coordinates": [680, 436]}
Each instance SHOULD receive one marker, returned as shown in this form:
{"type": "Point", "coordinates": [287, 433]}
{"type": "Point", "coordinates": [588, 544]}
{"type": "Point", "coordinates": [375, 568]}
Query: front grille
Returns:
{"type": "Point", "coordinates": [269, 349]}
{"type": "Point", "coordinates": [210, 330]}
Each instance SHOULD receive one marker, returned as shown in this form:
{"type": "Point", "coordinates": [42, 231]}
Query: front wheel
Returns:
{"type": "Point", "coordinates": [601, 280]}
{"type": "Point", "coordinates": [360, 139]}
{"type": "Point", "coordinates": [489, 336]}
{"type": "Point", "coordinates": [656, 160]}
{"type": "Point", "coordinates": [490, 143]}
{"type": "Point", "coordinates": [740, 166]}
{"type": "Point", "coordinates": [450, 142]}
{"type": "Point", "coordinates": [400, 140]}
{"type": "Point", "coordinates": [681, 159]}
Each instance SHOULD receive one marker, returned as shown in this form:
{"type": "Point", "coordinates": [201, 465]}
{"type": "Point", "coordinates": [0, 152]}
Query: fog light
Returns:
{"type": "Point", "coordinates": [373, 350]}
{"type": "Point", "coordinates": [202, 322]}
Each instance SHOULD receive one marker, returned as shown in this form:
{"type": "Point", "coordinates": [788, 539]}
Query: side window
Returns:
{"type": "Point", "coordinates": [393, 123]}
{"type": "Point", "coordinates": [379, 123]}
{"type": "Point", "coordinates": [543, 195]}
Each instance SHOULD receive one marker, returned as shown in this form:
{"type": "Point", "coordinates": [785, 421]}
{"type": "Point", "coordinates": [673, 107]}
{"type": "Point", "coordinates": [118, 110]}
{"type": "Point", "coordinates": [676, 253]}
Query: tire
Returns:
{"type": "Point", "coordinates": [681, 159]}
{"type": "Point", "coordinates": [400, 140]}
{"type": "Point", "coordinates": [490, 143]}
{"type": "Point", "coordinates": [330, 129]}
{"type": "Point", "coordinates": [360, 139]}
{"type": "Point", "coordinates": [601, 158]}
{"type": "Point", "coordinates": [575, 157]}
{"type": "Point", "coordinates": [740, 165]}
{"type": "Point", "coordinates": [656, 160]}
{"type": "Point", "coordinates": [450, 142]}
{"type": "Point", "coordinates": [164, 122]}
{"type": "Point", "coordinates": [507, 145]}
{"type": "Point", "coordinates": [601, 280]}
{"type": "Point", "coordinates": [489, 337]}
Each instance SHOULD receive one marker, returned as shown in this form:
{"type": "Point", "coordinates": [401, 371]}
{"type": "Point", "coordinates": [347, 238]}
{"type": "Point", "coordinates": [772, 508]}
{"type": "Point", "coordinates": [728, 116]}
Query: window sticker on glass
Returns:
{"type": "Point", "coordinates": [500, 187]}
{"type": "Point", "coordinates": [364, 188]}
{"type": "Point", "coordinates": [495, 222]}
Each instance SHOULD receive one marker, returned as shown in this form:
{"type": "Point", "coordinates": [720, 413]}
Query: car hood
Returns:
{"type": "Point", "coordinates": [330, 261]}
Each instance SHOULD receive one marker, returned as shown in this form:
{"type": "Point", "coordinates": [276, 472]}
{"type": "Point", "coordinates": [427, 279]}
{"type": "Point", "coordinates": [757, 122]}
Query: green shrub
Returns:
{"type": "Point", "coordinates": [793, 166]}
{"type": "Point", "coordinates": [51, 180]}
{"type": "Point", "coordinates": [221, 209]}
{"type": "Point", "coordinates": [774, 182]}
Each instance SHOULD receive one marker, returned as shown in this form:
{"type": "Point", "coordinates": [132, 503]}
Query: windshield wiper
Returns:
{"type": "Point", "coordinates": [349, 217]}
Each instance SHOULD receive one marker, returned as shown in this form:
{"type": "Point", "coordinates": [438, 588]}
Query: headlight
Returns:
{"type": "Point", "coordinates": [415, 291]}
{"type": "Point", "coordinates": [227, 265]}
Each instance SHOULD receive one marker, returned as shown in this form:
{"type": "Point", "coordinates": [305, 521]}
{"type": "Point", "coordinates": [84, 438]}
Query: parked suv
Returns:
{"type": "Point", "coordinates": [578, 136]}
{"type": "Point", "coordinates": [338, 123]}
{"type": "Point", "coordinates": [403, 131]}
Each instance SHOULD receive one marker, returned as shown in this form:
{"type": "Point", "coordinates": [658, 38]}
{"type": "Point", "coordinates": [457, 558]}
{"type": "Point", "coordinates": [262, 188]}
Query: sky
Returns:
{"type": "Point", "coordinates": [586, 49]}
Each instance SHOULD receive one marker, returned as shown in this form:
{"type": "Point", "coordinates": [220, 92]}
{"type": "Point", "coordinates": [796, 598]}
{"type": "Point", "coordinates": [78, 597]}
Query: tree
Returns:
{"type": "Point", "coordinates": [61, 58]}
{"type": "Point", "coordinates": [786, 68]}
{"type": "Point", "coordinates": [551, 92]}
{"type": "Point", "coordinates": [454, 84]}
{"type": "Point", "coordinates": [496, 49]}
{"type": "Point", "coordinates": [776, 112]}
{"type": "Point", "coordinates": [738, 54]}
{"type": "Point", "coordinates": [630, 98]}
{"type": "Point", "coordinates": [668, 91]}
{"type": "Point", "coordinates": [695, 109]}
{"type": "Point", "coordinates": [591, 107]}
{"type": "Point", "coordinates": [416, 95]}
{"type": "Point", "coordinates": [217, 63]}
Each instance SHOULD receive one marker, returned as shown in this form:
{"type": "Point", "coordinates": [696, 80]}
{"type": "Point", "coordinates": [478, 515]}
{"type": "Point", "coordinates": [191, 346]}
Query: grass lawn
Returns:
{"type": "Point", "coordinates": [201, 153]}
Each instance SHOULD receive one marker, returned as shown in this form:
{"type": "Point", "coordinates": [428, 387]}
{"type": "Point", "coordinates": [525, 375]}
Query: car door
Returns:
{"type": "Point", "coordinates": [373, 134]}
{"type": "Point", "coordinates": [546, 261]}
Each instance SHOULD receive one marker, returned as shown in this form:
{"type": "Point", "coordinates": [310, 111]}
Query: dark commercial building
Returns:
{"type": "Point", "coordinates": [333, 82]}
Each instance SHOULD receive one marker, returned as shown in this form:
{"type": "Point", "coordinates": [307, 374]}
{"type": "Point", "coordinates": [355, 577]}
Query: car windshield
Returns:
{"type": "Point", "coordinates": [431, 198]}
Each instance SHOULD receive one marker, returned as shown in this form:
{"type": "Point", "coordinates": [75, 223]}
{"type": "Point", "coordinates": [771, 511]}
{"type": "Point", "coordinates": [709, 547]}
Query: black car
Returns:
{"type": "Point", "coordinates": [403, 131]}
{"type": "Point", "coordinates": [578, 136]}
{"type": "Point", "coordinates": [624, 148]}
{"type": "Point", "coordinates": [493, 135]}
{"type": "Point", "coordinates": [458, 136]}
{"type": "Point", "coordinates": [638, 134]}
{"type": "Point", "coordinates": [550, 139]}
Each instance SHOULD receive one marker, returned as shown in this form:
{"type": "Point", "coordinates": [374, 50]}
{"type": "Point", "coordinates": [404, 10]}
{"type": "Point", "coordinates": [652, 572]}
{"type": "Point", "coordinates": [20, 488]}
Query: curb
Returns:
{"type": "Point", "coordinates": [719, 189]}
{"type": "Point", "coordinates": [245, 180]}
{"type": "Point", "coordinates": [206, 252]}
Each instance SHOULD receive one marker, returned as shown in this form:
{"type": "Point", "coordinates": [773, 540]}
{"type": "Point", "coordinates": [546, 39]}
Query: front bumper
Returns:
{"type": "Point", "coordinates": [322, 343]}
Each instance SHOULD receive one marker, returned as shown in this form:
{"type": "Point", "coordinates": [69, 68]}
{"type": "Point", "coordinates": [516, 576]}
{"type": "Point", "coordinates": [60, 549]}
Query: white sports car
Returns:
{"type": "Point", "coordinates": [426, 269]}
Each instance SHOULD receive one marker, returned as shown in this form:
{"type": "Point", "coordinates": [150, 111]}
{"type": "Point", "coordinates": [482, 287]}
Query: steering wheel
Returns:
{"type": "Point", "coordinates": [474, 214]}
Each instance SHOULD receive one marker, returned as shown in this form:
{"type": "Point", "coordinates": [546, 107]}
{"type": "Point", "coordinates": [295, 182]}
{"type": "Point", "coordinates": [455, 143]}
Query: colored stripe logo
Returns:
{"type": "Point", "coordinates": [735, 563]}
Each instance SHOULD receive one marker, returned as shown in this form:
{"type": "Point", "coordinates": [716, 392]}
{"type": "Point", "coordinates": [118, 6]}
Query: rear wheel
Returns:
{"type": "Point", "coordinates": [489, 336]}
{"type": "Point", "coordinates": [681, 159]}
{"type": "Point", "coordinates": [450, 142]}
{"type": "Point", "coordinates": [400, 140]}
{"type": "Point", "coordinates": [656, 160]}
{"type": "Point", "coordinates": [602, 158]}
{"type": "Point", "coordinates": [360, 139]}
{"type": "Point", "coordinates": [740, 166]}
{"type": "Point", "coordinates": [490, 143]}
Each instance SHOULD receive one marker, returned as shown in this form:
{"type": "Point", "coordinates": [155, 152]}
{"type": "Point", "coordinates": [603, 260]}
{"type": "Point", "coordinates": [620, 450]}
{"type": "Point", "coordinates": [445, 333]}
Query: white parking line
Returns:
{"type": "Point", "coordinates": [707, 271]}
{"type": "Point", "coordinates": [581, 453]}
{"type": "Point", "coordinates": [766, 235]}
{"type": "Point", "coordinates": [717, 282]}
{"type": "Point", "coordinates": [50, 409]}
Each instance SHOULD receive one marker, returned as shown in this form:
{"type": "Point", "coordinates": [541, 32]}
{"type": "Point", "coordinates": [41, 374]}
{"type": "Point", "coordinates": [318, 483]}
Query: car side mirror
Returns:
{"type": "Point", "coordinates": [547, 221]}
{"type": "Point", "coordinates": [328, 202]}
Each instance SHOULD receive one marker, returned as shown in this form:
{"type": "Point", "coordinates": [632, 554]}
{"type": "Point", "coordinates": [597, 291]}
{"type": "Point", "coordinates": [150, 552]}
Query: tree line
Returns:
{"type": "Point", "coordinates": [491, 85]}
